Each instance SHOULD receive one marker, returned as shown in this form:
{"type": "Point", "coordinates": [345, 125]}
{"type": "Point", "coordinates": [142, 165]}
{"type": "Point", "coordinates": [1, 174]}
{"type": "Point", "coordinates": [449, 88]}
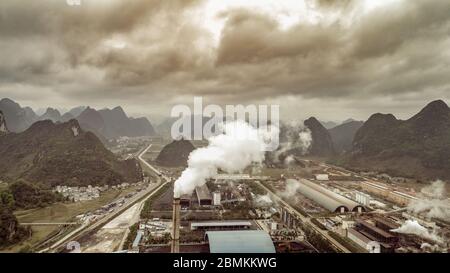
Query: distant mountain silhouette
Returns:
{"type": "Point", "coordinates": [175, 154]}
{"type": "Point", "coordinates": [75, 112]}
{"type": "Point", "coordinates": [17, 118]}
{"type": "Point", "coordinates": [51, 114]}
{"type": "Point", "coordinates": [322, 145]}
{"type": "Point", "coordinates": [63, 153]}
{"type": "Point", "coordinates": [3, 125]}
{"type": "Point", "coordinates": [419, 146]}
{"type": "Point", "coordinates": [328, 124]}
{"type": "Point", "coordinates": [114, 123]}
{"type": "Point", "coordinates": [106, 123]}
{"type": "Point", "coordinates": [66, 117]}
{"type": "Point", "coordinates": [342, 135]}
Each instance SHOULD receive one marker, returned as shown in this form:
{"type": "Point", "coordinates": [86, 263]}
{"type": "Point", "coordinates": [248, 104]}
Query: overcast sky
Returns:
{"type": "Point", "coordinates": [330, 59]}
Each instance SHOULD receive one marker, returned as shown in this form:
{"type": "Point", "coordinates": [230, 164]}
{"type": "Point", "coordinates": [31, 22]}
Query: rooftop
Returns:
{"type": "Point", "coordinates": [221, 223]}
{"type": "Point", "coordinates": [248, 241]}
{"type": "Point", "coordinates": [203, 192]}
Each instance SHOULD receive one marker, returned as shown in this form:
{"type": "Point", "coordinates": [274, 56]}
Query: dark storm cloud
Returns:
{"type": "Point", "coordinates": [129, 50]}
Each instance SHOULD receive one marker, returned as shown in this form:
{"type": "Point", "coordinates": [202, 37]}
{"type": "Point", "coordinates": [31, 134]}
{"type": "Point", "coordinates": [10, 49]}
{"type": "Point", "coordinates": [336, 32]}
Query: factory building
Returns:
{"type": "Point", "coordinates": [328, 199]}
{"type": "Point", "coordinates": [217, 198]}
{"type": "Point", "coordinates": [386, 224]}
{"type": "Point", "coordinates": [386, 239]}
{"type": "Point", "coordinates": [363, 241]}
{"type": "Point", "coordinates": [388, 193]}
{"type": "Point", "coordinates": [322, 177]}
{"type": "Point", "coordinates": [185, 201]}
{"type": "Point", "coordinates": [240, 241]}
{"type": "Point", "coordinates": [362, 198]}
{"type": "Point", "coordinates": [203, 195]}
{"type": "Point", "coordinates": [221, 225]}
{"type": "Point", "coordinates": [288, 219]}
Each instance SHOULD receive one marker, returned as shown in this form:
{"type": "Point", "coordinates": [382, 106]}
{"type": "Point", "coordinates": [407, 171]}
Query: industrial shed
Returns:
{"type": "Point", "coordinates": [221, 225]}
{"type": "Point", "coordinates": [241, 241]}
{"type": "Point", "coordinates": [203, 195]}
{"type": "Point", "coordinates": [328, 199]}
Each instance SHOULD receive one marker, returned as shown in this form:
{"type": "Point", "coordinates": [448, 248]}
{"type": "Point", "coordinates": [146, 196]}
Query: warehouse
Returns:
{"type": "Point", "coordinates": [385, 224]}
{"type": "Point", "coordinates": [185, 201]}
{"type": "Point", "coordinates": [328, 199]}
{"type": "Point", "coordinates": [203, 195]}
{"type": "Point", "coordinates": [240, 241]}
{"type": "Point", "coordinates": [364, 242]}
{"type": "Point", "coordinates": [388, 193]}
{"type": "Point", "coordinates": [221, 225]}
{"type": "Point", "coordinates": [374, 232]}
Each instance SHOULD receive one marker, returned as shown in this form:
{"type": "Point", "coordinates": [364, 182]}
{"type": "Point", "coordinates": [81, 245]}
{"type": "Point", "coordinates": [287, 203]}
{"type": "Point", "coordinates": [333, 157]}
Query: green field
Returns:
{"type": "Point", "coordinates": [60, 212]}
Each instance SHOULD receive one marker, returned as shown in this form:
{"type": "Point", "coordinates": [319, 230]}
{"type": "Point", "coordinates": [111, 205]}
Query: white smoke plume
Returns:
{"type": "Point", "coordinates": [305, 138]}
{"type": "Point", "coordinates": [262, 200]}
{"type": "Point", "coordinates": [431, 248]}
{"type": "Point", "coordinates": [291, 189]}
{"type": "Point", "coordinates": [413, 227]}
{"type": "Point", "coordinates": [289, 160]}
{"type": "Point", "coordinates": [237, 147]}
{"type": "Point", "coordinates": [432, 201]}
{"type": "Point", "coordinates": [298, 136]}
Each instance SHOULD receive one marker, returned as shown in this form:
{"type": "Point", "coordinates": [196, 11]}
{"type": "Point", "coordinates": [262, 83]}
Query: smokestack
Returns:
{"type": "Point", "coordinates": [175, 247]}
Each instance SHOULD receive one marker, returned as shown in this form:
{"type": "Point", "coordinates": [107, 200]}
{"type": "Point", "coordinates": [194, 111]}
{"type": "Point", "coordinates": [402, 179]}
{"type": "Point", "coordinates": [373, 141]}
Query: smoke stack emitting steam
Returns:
{"type": "Point", "coordinates": [236, 148]}
{"type": "Point", "coordinates": [175, 246]}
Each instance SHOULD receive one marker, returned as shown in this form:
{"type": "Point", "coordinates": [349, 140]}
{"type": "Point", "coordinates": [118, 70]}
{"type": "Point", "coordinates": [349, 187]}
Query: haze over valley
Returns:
{"type": "Point", "coordinates": [210, 126]}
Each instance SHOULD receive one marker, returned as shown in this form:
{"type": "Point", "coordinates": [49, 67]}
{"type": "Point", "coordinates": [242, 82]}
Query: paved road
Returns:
{"type": "Point", "coordinates": [306, 220]}
{"type": "Point", "coordinates": [142, 196]}
{"type": "Point", "coordinates": [50, 224]}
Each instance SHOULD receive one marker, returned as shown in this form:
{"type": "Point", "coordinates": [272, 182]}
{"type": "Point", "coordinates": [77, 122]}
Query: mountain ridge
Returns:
{"type": "Point", "coordinates": [418, 146]}
{"type": "Point", "coordinates": [62, 153]}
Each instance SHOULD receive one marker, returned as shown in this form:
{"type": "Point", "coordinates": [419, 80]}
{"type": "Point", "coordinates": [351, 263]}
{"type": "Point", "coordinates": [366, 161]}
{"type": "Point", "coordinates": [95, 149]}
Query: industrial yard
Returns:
{"type": "Point", "coordinates": [308, 208]}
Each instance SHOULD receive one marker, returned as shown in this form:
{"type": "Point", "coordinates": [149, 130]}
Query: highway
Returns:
{"type": "Point", "coordinates": [50, 224]}
{"type": "Point", "coordinates": [140, 197]}
{"type": "Point", "coordinates": [306, 220]}
{"type": "Point", "coordinates": [145, 162]}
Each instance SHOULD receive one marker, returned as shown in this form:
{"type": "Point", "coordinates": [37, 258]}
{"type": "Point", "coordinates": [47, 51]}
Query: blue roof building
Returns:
{"type": "Point", "coordinates": [240, 241]}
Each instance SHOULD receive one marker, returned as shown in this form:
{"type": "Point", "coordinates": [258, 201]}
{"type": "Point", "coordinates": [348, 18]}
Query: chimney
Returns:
{"type": "Point", "coordinates": [175, 247]}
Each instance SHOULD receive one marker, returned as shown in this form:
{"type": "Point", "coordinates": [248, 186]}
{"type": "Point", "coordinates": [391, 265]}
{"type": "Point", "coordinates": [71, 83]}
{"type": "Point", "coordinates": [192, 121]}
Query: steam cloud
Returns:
{"type": "Point", "coordinates": [292, 186]}
{"type": "Point", "coordinates": [262, 200]}
{"type": "Point", "coordinates": [433, 201]}
{"type": "Point", "coordinates": [237, 147]}
{"type": "Point", "coordinates": [413, 227]}
{"type": "Point", "coordinates": [298, 137]}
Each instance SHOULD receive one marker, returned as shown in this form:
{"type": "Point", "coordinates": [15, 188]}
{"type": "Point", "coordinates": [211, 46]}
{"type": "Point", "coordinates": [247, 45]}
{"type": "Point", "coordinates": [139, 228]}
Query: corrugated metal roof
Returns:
{"type": "Point", "coordinates": [138, 238]}
{"type": "Point", "coordinates": [325, 197]}
{"type": "Point", "coordinates": [240, 241]}
{"type": "Point", "coordinates": [379, 231]}
{"type": "Point", "coordinates": [203, 192]}
{"type": "Point", "coordinates": [220, 224]}
{"type": "Point", "coordinates": [359, 235]}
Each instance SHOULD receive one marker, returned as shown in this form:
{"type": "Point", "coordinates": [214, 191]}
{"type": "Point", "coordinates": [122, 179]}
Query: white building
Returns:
{"type": "Point", "coordinates": [363, 198]}
{"type": "Point", "coordinates": [322, 177]}
{"type": "Point", "coordinates": [216, 199]}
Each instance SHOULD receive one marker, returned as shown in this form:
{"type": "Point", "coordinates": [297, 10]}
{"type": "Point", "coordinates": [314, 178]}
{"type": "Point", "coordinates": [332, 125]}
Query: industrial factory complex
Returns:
{"type": "Point", "coordinates": [241, 213]}
{"type": "Point", "coordinates": [310, 208]}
